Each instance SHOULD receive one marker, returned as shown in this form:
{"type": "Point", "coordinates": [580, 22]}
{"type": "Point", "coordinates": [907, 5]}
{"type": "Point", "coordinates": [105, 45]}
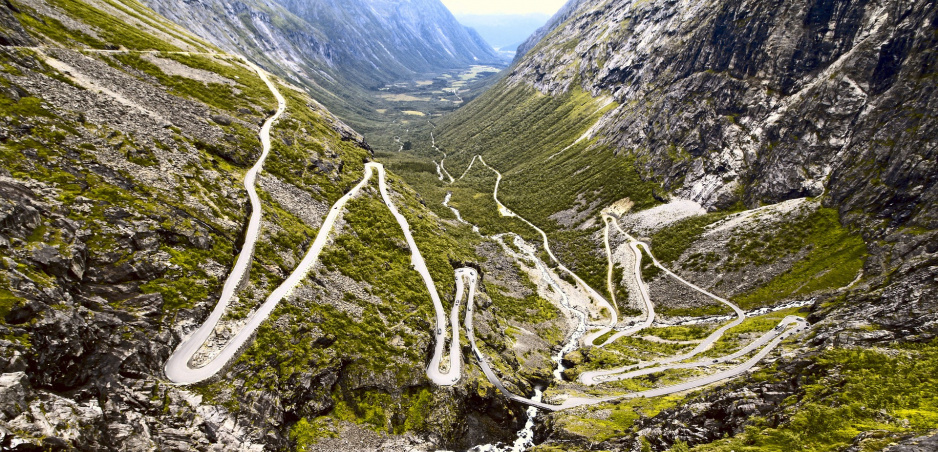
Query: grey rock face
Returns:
{"type": "Point", "coordinates": [14, 389]}
{"type": "Point", "coordinates": [777, 97]}
{"type": "Point", "coordinates": [920, 444]}
{"type": "Point", "coordinates": [765, 101]}
{"type": "Point", "coordinates": [367, 42]}
{"type": "Point", "coordinates": [12, 33]}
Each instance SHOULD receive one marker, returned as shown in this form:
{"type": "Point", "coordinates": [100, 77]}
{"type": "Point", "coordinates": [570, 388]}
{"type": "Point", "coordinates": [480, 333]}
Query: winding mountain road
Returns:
{"type": "Point", "coordinates": [505, 212]}
{"type": "Point", "coordinates": [642, 288]}
{"type": "Point", "coordinates": [178, 368]}
{"type": "Point", "coordinates": [769, 341]}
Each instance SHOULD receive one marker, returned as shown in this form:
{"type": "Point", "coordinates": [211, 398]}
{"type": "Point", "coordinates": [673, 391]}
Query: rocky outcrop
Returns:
{"type": "Point", "coordinates": [84, 378]}
{"type": "Point", "coordinates": [11, 32]}
{"type": "Point", "coordinates": [338, 50]}
{"type": "Point", "coordinates": [919, 444]}
{"type": "Point", "coordinates": [751, 103]}
{"type": "Point", "coordinates": [777, 99]}
{"type": "Point", "coordinates": [396, 39]}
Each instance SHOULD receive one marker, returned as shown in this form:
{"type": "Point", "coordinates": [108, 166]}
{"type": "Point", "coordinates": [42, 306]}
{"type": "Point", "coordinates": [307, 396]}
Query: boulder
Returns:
{"type": "Point", "coordinates": [14, 395]}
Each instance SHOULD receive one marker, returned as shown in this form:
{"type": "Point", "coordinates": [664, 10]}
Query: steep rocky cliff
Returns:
{"type": "Point", "coordinates": [779, 155]}
{"type": "Point", "coordinates": [339, 50]}
{"type": "Point", "coordinates": [752, 103]}
{"type": "Point", "coordinates": [768, 97]}
{"type": "Point", "coordinates": [124, 143]}
{"type": "Point", "coordinates": [730, 105]}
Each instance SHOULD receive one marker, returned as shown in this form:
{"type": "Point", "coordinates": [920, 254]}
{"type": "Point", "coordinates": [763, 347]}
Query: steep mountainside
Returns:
{"type": "Point", "coordinates": [380, 41]}
{"type": "Point", "coordinates": [752, 103]}
{"type": "Point", "coordinates": [339, 50]}
{"type": "Point", "coordinates": [125, 144]}
{"type": "Point", "coordinates": [690, 107]}
{"type": "Point", "coordinates": [672, 224]}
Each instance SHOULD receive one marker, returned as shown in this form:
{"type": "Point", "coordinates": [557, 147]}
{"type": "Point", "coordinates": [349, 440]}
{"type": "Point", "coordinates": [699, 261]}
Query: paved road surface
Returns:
{"type": "Point", "coordinates": [771, 340]}
{"type": "Point", "coordinates": [178, 368]}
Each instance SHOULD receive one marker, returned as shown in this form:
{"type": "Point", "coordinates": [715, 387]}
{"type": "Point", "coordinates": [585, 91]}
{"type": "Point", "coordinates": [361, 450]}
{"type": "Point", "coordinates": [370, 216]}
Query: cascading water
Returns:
{"type": "Point", "coordinates": [580, 331]}
{"type": "Point", "coordinates": [525, 438]}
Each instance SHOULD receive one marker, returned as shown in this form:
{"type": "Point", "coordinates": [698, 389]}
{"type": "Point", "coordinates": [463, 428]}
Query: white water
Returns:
{"type": "Point", "coordinates": [573, 341]}
{"type": "Point", "coordinates": [525, 438]}
{"type": "Point", "coordinates": [449, 195]}
{"type": "Point", "coordinates": [530, 252]}
{"type": "Point", "coordinates": [753, 313]}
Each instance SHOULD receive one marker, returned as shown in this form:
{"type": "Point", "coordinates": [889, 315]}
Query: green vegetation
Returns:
{"type": "Point", "coordinates": [640, 349]}
{"type": "Point", "coordinates": [52, 28]}
{"type": "Point", "coordinates": [24, 107]}
{"type": "Point", "coordinates": [577, 250]}
{"type": "Point", "coordinates": [595, 358]}
{"type": "Point", "coordinates": [386, 326]}
{"type": "Point", "coordinates": [305, 434]}
{"type": "Point", "coordinates": [619, 422]}
{"type": "Point", "coordinates": [834, 258]}
{"type": "Point", "coordinates": [680, 333]}
{"type": "Point", "coordinates": [622, 292]}
{"type": "Point", "coordinates": [500, 123]}
{"type": "Point", "coordinates": [504, 121]}
{"type": "Point", "coordinates": [852, 391]}
{"type": "Point", "coordinates": [188, 283]}
{"type": "Point", "coordinates": [670, 242]}
{"type": "Point", "coordinates": [472, 196]}
{"type": "Point", "coordinates": [7, 302]}
{"type": "Point", "coordinates": [219, 95]}
{"type": "Point", "coordinates": [110, 28]}
{"type": "Point", "coordinates": [732, 338]}
{"type": "Point", "coordinates": [714, 308]}
{"type": "Point", "coordinates": [679, 446]}
{"type": "Point", "coordinates": [532, 309]}
{"type": "Point", "coordinates": [605, 337]}
{"type": "Point", "coordinates": [251, 89]}
{"type": "Point", "coordinates": [650, 271]}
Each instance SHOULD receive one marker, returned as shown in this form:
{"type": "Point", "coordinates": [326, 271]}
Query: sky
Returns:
{"type": "Point", "coordinates": [503, 6]}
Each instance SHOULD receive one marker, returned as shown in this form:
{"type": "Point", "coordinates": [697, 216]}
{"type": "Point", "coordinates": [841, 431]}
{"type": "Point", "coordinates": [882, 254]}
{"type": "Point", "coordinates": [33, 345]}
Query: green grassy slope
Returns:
{"type": "Point", "coordinates": [178, 182]}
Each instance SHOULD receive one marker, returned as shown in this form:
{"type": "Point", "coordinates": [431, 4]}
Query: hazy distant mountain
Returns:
{"type": "Point", "coordinates": [337, 49]}
{"type": "Point", "coordinates": [368, 41]}
{"type": "Point", "coordinates": [504, 31]}
{"type": "Point", "coordinates": [384, 39]}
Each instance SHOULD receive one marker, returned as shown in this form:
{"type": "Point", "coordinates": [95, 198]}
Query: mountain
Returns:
{"type": "Point", "coordinates": [130, 150]}
{"type": "Point", "coordinates": [558, 18]}
{"type": "Point", "coordinates": [369, 42]}
{"type": "Point", "coordinates": [504, 31]}
{"type": "Point", "coordinates": [394, 40]}
{"type": "Point", "coordinates": [702, 112]}
{"type": "Point", "coordinates": [341, 51]}
{"type": "Point", "coordinates": [670, 225]}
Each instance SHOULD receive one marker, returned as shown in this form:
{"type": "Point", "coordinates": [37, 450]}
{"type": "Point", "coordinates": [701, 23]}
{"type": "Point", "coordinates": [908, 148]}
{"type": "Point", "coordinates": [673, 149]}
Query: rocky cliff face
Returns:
{"type": "Point", "coordinates": [760, 102]}
{"type": "Point", "coordinates": [337, 49]}
{"type": "Point", "coordinates": [735, 105]}
{"type": "Point", "coordinates": [124, 141]}
{"type": "Point", "coordinates": [771, 98]}
{"type": "Point", "coordinates": [384, 41]}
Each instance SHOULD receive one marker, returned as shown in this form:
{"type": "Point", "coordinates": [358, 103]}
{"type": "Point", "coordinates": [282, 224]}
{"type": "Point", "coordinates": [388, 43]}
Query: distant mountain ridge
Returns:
{"type": "Point", "coordinates": [382, 40]}
{"type": "Point", "coordinates": [336, 49]}
{"type": "Point", "coordinates": [504, 31]}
